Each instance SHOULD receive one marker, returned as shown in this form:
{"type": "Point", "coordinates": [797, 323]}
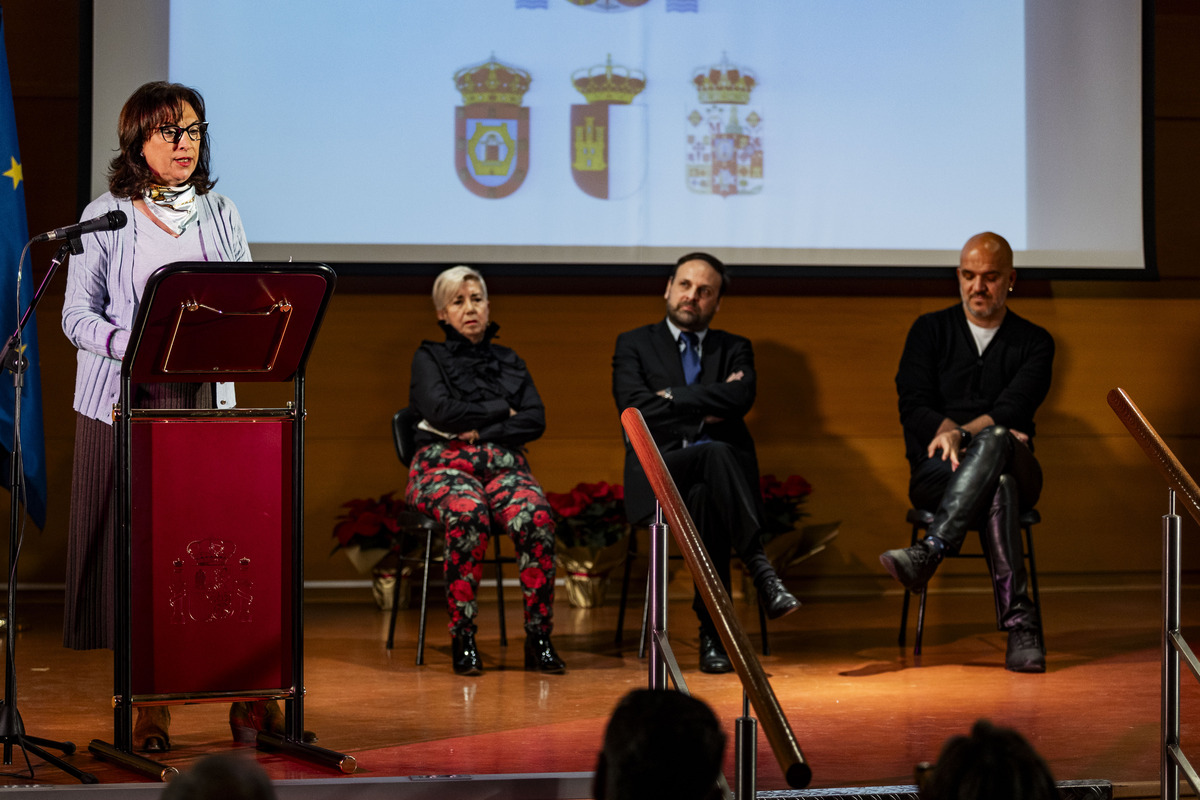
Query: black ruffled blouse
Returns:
{"type": "Point", "coordinates": [458, 386]}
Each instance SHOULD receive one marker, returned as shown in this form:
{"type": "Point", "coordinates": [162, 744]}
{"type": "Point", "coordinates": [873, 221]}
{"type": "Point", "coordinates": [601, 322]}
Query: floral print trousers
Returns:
{"type": "Point", "coordinates": [474, 489]}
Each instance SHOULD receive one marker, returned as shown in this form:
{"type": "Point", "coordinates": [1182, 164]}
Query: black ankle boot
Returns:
{"type": "Point", "coordinates": [914, 566]}
{"type": "Point", "coordinates": [1025, 653]}
{"type": "Point", "coordinates": [540, 655]}
{"type": "Point", "coordinates": [464, 654]}
{"type": "Point", "coordinates": [713, 658]}
{"type": "Point", "coordinates": [776, 600]}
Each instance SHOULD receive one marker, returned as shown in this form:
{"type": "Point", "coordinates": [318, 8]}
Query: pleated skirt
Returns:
{"type": "Point", "coordinates": [89, 616]}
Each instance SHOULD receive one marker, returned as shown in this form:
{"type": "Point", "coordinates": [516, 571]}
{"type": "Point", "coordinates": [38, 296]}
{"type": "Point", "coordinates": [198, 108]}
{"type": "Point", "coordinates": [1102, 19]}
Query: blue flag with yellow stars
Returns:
{"type": "Point", "coordinates": [14, 233]}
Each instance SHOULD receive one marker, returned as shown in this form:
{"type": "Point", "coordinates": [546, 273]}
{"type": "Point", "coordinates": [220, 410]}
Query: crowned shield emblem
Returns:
{"type": "Point", "coordinates": [611, 5]}
{"type": "Point", "coordinates": [724, 133]}
{"type": "Point", "coordinates": [207, 587]}
{"type": "Point", "coordinates": [491, 129]}
{"type": "Point", "coordinates": [609, 133]}
{"type": "Point", "coordinates": [608, 5]}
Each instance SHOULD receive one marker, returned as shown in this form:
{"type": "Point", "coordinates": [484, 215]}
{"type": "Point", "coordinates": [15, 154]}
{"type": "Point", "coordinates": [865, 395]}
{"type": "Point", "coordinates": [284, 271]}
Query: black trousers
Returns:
{"type": "Point", "coordinates": [719, 487]}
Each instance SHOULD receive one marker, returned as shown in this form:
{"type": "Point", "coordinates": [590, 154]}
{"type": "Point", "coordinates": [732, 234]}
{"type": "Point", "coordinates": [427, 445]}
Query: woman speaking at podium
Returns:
{"type": "Point", "coordinates": [160, 180]}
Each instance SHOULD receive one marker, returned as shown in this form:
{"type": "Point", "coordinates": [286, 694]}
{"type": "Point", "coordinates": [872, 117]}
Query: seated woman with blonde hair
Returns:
{"type": "Point", "coordinates": [478, 409]}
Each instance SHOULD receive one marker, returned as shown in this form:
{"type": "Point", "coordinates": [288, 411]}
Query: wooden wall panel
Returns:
{"type": "Point", "coordinates": [1177, 204]}
{"type": "Point", "coordinates": [826, 410]}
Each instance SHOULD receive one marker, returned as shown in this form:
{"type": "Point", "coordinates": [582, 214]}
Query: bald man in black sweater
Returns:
{"type": "Point", "coordinates": [970, 379]}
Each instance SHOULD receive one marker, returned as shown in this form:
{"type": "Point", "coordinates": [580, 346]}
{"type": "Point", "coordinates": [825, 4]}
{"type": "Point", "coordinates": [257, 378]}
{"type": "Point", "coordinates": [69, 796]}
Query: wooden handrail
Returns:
{"type": "Point", "coordinates": [775, 726]}
{"type": "Point", "coordinates": [1174, 646]}
{"type": "Point", "coordinates": [1156, 449]}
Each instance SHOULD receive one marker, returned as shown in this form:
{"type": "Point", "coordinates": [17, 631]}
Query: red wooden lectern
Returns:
{"type": "Point", "coordinates": [210, 502]}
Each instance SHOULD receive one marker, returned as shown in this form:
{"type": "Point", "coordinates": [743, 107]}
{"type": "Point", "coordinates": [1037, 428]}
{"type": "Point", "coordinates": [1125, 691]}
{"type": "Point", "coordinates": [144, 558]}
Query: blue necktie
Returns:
{"type": "Point", "coordinates": [689, 353]}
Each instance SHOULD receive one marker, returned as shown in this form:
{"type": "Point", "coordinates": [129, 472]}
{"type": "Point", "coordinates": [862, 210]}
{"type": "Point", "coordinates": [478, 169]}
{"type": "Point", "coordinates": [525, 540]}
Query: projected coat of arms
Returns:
{"type": "Point", "coordinates": [491, 128]}
{"type": "Point", "coordinates": [724, 133]}
{"type": "Point", "coordinates": [609, 134]}
{"type": "Point", "coordinates": [608, 5]}
{"type": "Point", "coordinates": [614, 5]}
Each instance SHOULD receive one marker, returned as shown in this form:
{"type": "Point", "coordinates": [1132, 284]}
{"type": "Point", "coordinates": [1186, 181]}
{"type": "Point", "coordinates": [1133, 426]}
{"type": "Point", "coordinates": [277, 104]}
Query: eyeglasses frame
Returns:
{"type": "Point", "coordinates": [201, 129]}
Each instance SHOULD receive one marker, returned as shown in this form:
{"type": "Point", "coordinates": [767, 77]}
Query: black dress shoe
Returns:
{"type": "Point", "coordinates": [465, 655]}
{"type": "Point", "coordinates": [776, 600]}
{"type": "Point", "coordinates": [540, 655]}
{"type": "Point", "coordinates": [712, 655]}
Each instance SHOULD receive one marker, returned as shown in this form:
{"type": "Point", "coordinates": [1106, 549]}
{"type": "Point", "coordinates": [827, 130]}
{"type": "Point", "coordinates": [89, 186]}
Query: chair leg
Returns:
{"type": "Point", "coordinates": [1033, 583]}
{"type": "Point", "coordinates": [903, 637]}
{"type": "Point", "coordinates": [630, 555]}
{"type": "Point", "coordinates": [920, 621]}
{"type": "Point", "coordinates": [395, 609]}
{"type": "Point", "coordinates": [424, 596]}
{"type": "Point", "coordinates": [920, 606]}
{"type": "Point", "coordinates": [762, 627]}
{"type": "Point", "coordinates": [500, 590]}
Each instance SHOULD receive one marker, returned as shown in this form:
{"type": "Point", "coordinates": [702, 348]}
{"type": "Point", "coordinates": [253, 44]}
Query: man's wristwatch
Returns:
{"type": "Point", "coordinates": [965, 436]}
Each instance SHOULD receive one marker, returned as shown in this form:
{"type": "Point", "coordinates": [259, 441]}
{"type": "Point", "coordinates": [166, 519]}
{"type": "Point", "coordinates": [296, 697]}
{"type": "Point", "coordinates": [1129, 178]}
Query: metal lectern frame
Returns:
{"type": "Point", "coordinates": [200, 322]}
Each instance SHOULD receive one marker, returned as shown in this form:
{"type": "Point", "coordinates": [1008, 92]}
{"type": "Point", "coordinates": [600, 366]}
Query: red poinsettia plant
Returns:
{"type": "Point", "coordinates": [590, 515]}
{"type": "Point", "coordinates": [782, 501]}
{"type": "Point", "coordinates": [371, 523]}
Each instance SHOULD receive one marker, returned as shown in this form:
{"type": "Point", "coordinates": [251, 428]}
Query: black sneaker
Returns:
{"type": "Point", "coordinates": [913, 566]}
{"type": "Point", "coordinates": [1025, 651]}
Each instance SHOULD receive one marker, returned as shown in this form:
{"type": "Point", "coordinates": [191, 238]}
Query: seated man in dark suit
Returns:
{"type": "Point", "coordinates": [693, 386]}
{"type": "Point", "coordinates": [970, 379]}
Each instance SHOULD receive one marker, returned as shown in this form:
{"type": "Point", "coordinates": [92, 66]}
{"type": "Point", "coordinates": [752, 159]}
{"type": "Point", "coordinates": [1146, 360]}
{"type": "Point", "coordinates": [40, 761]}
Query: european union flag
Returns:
{"type": "Point", "coordinates": [14, 233]}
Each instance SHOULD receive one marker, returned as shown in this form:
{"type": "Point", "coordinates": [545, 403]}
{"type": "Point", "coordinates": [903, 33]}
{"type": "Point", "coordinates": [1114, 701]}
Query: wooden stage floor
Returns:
{"type": "Point", "coordinates": [863, 710]}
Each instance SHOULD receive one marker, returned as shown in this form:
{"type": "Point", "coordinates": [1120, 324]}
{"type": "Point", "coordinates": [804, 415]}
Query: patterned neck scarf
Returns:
{"type": "Point", "coordinates": [174, 206]}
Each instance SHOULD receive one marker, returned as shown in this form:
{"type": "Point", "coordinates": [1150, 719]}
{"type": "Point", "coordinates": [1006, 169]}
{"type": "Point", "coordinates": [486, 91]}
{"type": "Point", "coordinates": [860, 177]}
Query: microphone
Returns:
{"type": "Point", "coordinates": [108, 222]}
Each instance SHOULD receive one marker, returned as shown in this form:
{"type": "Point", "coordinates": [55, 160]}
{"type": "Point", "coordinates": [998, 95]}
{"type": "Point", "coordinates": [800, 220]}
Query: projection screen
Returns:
{"type": "Point", "coordinates": [569, 136]}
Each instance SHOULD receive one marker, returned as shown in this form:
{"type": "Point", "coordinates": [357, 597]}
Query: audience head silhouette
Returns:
{"type": "Point", "coordinates": [660, 744]}
{"type": "Point", "coordinates": [993, 763]}
{"type": "Point", "coordinates": [221, 777]}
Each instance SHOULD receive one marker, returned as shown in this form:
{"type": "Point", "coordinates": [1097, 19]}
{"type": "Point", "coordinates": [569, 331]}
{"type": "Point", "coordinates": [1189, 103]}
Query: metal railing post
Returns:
{"type": "Point", "coordinates": [658, 599]}
{"type": "Point", "coordinates": [716, 599]}
{"type": "Point", "coordinates": [1175, 649]}
{"type": "Point", "coordinates": [1170, 655]}
{"type": "Point", "coordinates": [745, 742]}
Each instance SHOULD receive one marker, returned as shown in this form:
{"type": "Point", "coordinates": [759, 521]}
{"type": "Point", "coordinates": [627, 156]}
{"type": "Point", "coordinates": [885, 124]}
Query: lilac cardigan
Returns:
{"type": "Point", "coordinates": [101, 303]}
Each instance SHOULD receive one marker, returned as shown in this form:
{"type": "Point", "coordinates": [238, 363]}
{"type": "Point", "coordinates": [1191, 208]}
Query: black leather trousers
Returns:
{"type": "Point", "coordinates": [997, 478]}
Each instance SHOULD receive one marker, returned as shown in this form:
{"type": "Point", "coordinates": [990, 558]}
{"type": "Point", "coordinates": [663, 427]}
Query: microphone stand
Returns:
{"type": "Point", "coordinates": [12, 729]}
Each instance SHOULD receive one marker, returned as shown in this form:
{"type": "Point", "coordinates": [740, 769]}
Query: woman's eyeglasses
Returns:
{"type": "Point", "coordinates": [173, 133]}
